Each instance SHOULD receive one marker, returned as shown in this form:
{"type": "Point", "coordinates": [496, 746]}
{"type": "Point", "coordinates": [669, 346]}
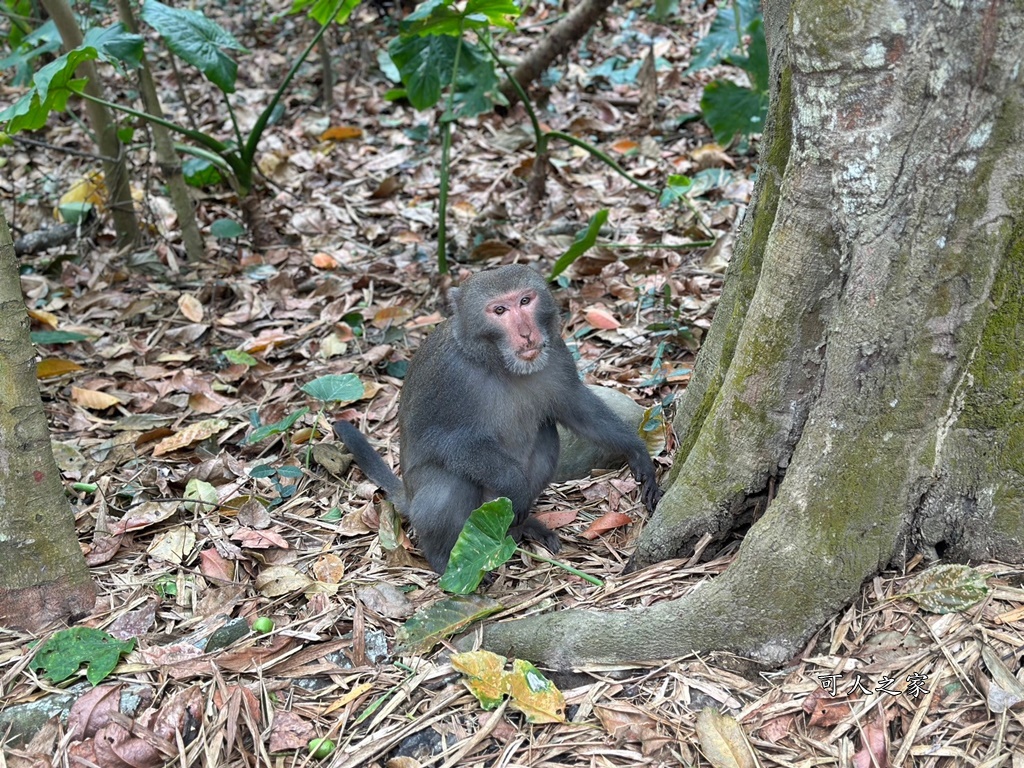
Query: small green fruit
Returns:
{"type": "Point", "coordinates": [263, 625]}
{"type": "Point", "coordinates": [321, 748]}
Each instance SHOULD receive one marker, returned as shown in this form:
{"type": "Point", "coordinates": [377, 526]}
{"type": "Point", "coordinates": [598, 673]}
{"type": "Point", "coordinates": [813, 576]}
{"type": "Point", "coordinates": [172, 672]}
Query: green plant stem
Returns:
{"type": "Point", "coordinates": [603, 157]}
{"type": "Point", "coordinates": [204, 139]}
{"type": "Point", "coordinates": [574, 571]}
{"type": "Point", "coordinates": [234, 122]}
{"type": "Point", "coordinates": [442, 200]}
{"type": "Point", "coordinates": [446, 149]}
{"type": "Point", "coordinates": [249, 149]}
{"type": "Point", "coordinates": [738, 15]}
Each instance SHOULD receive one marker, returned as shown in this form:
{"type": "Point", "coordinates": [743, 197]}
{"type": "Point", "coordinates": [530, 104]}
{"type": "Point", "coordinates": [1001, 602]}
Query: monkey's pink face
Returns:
{"type": "Point", "coordinates": [516, 314]}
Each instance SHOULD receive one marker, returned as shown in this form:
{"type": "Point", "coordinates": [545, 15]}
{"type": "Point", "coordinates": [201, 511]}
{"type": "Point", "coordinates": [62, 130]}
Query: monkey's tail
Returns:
{"type": "Point", "coordinates": [370, 462]}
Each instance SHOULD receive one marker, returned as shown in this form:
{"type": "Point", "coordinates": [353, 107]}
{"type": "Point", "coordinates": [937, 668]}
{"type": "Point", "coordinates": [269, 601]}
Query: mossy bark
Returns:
{"type": "Point", "coordinates": [862, 377]}
{"type": "Point", "coordinates": [43, 577]}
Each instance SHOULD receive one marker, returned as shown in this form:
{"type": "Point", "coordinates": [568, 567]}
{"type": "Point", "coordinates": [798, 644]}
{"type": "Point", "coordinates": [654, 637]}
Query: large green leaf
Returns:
{"type": "Point", "coordinates": [61, 656]}
{"type": "Point", "coordinates": [42, 41]}
{"type": "Point", "coordinates": [335, 388]}
{"type": "Point", "coordinates": [115, 44]}
{"type": "Point", "coordinates": [425, 64]}
{"type": "Point", "coordinates": [483, 545]}
{"type": "Point", "coordinates": [196, 39]}
{"type": "Point", "coordinates": [441, 17]}
{"type": "Point", "coordinates": [476, 88]}
{"type": "Point", "coordinates": [323, 11]}
{"type": "Point", "coordinates": [583, 242]}
{"type": "Point", "coordinates": [755, 64]}
{"type": "Point", "coordinates": [428, 626]}
{"type": "Point", "coordinates": [725, 33]}
{"type": "Point", "coordinates": [51, 89]}
{"type": "Point", "coordinates": [730, 109]}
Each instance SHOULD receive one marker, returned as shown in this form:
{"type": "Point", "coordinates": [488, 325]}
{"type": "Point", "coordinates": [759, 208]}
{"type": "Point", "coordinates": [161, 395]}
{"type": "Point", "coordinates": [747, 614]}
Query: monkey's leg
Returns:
{"type": "Point", "coordinates": [438, 510]}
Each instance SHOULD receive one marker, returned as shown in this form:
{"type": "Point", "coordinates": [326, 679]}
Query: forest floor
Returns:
{"type": "Point", "coordinates": [155, 395]}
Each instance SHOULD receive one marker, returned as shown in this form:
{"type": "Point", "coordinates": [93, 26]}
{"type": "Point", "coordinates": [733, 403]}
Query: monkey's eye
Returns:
{"type": "Point", "coordinates": [499, 310]}
{"type": "Point", "coordinates": [525, 300]}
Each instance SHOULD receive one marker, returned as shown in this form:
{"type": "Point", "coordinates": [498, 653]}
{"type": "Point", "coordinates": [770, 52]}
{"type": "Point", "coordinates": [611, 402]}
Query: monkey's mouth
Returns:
{"type": "Point", "coordinates": [529, 354]}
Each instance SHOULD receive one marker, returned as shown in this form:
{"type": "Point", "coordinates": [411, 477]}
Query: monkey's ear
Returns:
{"type": "Point", "coordinates": [451, 300]}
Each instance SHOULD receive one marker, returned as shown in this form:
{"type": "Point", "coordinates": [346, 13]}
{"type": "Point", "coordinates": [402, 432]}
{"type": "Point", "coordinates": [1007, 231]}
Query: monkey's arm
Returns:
{"type": "Point", "coordinates": [370, 462]}
{"type": "Point", "coordinates": [586, 415]}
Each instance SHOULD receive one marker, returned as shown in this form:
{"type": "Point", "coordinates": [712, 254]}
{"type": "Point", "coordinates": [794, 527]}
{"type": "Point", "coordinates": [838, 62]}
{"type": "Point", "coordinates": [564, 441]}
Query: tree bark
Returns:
{"type": "Point", "coordinates": [43, 577]}
{"type": "Point", "coordinates": [115, 167]}
{"type": "Point", "coordinates": [862, 373]}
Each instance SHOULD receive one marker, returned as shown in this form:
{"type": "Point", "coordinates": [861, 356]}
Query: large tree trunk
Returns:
{"type": "Point", "coordinates": [43, 577]}
{"type": "Point", "coordinates": [862, 376]}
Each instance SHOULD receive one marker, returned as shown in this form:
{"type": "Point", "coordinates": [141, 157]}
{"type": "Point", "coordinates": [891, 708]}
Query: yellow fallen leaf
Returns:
{"type": "Point", "coordinates": [352, 695]}
{"type": "Point", "coordinates": [92, 399]}
{"type": "Point", "coordinates": [49, 367]}
{"type": "Point", "coordinates": [42, 316]}
{"type": "Point", "coordinates": [625, 146]}
{"type": "Point", "coordinates": [88, 189]}
{"type": "Point", "coordinates": [341, 133]}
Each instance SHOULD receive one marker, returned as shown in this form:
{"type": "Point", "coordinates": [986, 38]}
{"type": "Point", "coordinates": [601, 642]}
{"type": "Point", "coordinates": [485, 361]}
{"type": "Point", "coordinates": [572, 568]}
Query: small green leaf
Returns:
{"type": "Point", "coordinates": [677, 187]}
{"type": "Point", "coordinates": [483, 545]}
{"type": "Point", "coordinates": [62, 655]}
{"type": "Point", "coordinates": [333, 515]}
{"type": "Point", "coordinates": [428, 626]}
{"type": "Point", "coordinates": [199, 172]}
{"type": "Point", "coordinates": [74, 213]}
{"type": "Point", "coordinates": [584, 241]}
{"type": "Point", "coordinates": [261, 471]}
{"type": "Point", "coordinates": [225, 229]}
{"type": "Point", "coordinates": [278, 427]}
{"type": "Point", "coordinates": [57, 337]}
{"type": "Point", "coordinates": [335, 388]}
{"type": "Point", "coordinates": [166, 586]}
{"type": "Point", "coordinates": [238, 357]}
{"type": "Point", "coordinates": [196, 39]}
{"type": "Point", "coordinates": [200, 496]}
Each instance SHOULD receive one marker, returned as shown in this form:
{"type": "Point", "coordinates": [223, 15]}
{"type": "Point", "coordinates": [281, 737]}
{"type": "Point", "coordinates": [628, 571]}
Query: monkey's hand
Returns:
{"type": "Point", "coordinates": [534, 530]}
{"type": "Point", "coordinates": [650, 493]}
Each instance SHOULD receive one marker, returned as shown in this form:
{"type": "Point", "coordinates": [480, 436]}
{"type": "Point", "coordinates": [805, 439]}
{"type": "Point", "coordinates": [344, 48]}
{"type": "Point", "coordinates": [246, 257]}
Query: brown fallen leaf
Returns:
{"type": "Point", "coordinates": [92, 399]}
{"type": "Point", "coordinates": [607, 522]}
{"type": "Point", "coordinates": [193, 433]}
{"type": "Point", "coordinates": [190, 307]}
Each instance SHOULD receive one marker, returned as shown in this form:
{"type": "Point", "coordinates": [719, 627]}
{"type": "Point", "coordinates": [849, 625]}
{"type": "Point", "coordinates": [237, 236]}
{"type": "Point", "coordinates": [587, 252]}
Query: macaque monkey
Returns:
{"type": "Point", "coordinates": [478, 412]}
